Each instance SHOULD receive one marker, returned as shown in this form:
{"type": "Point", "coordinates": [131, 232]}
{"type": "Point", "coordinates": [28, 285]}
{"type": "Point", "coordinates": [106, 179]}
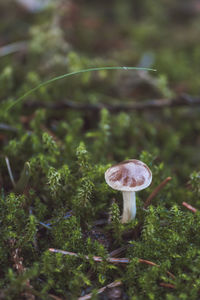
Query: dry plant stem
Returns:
{"type": "Point", "coordinates": [167, 285]}
{"type": "Point", "coordinates": [55, 138]}
{"type": "Point", "coordinates": [55, 297]}
{"type": "Point", "coordinates": [144, 261]}
{"type": "Point", "coordinates": [156, 191]}
{"type": "Point", "coordinates": [182, 100]}
{"type": "Point", "coordinates": [190, 207]}
{"type": "Point", "coordinates": [147, 262]}
{"type": "Point", "coordinates": [129, 206]}
{"type": "Point", "coordinates": [95, 258]}
{"type": "Point", "coordinates": [10, 171]}
{"type": "Point", "coordinates": [118, 251]}
{"type": "Point", "coordinates": [29, 293]}
{"type": "Point", "coordinates": [110, 259]}
{"type": "Point", "coordinates": [111, 285]}
{"type": "Point", "coordinates": [18, 265]}
{"type": "Point", "coordinates": [12, 48]}
{"type": "Point", "coordinates": [7, 127]}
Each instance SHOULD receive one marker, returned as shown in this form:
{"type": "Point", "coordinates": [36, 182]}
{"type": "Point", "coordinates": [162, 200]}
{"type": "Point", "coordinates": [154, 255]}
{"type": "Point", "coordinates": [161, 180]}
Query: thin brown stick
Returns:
{"type": "Point", "coordinates": [118, 251]}
{"type": "Point", "coordinates": [167, 285]}
{"type": "Point", "coordinates": [101, 290]}
{"type": "Point", "coordinates": [12, 48]}
{"type": "Point", "coordinates": [190, 207]}
{"type": "Point", "coordinates": [147, 262]}
{"type": "Point", "coordinates": [18, 265]}
{"type": "Point", "coordinates": [182, 100]}
{"type": "Point", "coordinates": [95, 258]}
{"type": "Point", "coordinates": [110, 259]}
{"type": "Point", "coordinates": [55, 138]}
{"type": "Point", "coordinates": [171, 275]}
{"type": "Point", "coordinates": [55, 297]}
{"type": "Point", "coordinates": [144, 261]}
{"type": "Point", "coordinates": [156, 191]}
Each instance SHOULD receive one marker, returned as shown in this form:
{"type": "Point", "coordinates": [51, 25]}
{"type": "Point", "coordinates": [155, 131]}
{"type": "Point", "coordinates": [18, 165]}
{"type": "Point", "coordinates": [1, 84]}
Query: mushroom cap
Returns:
{"type": "Point", "coordinates": [130, 176]}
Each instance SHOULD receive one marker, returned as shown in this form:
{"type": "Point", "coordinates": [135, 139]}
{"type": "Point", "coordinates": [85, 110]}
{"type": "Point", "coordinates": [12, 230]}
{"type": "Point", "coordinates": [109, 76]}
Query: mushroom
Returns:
{"type": "Point", "coordinates": [129, 177]}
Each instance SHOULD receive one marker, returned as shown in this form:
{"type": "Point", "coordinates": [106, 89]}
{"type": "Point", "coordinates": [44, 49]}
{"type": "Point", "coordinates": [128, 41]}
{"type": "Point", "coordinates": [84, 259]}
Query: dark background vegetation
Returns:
{"type": "Point", "coordinates": [60, 140]}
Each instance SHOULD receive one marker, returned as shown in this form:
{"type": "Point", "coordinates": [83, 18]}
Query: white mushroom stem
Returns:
{"type": "Point", "coordinates": [129, 209]}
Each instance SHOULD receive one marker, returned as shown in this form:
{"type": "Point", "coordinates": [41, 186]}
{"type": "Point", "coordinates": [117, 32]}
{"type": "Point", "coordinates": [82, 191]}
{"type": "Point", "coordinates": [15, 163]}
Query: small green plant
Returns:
{"type": "Point", "coordinates": [57, 145]}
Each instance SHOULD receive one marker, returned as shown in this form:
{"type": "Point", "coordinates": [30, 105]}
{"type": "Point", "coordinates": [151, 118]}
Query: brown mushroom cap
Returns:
{"type": "Point", "coordinates": [130, 175]}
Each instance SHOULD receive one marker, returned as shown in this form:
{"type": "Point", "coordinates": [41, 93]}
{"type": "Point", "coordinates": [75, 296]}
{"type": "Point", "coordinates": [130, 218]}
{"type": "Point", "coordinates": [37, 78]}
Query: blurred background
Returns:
{"type": "Point", "coordinates": [165, 34]}
{"type": "Point", "coordinates": [41, 39]}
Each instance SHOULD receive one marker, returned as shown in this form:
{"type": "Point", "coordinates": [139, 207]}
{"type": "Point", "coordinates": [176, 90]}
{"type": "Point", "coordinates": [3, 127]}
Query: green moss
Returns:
{"type": "Point", "coordinates": [63, 201]}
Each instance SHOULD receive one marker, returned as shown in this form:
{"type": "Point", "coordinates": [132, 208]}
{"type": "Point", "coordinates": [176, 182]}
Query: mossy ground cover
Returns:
{"type": "Point", "coordinates": [57, 156]}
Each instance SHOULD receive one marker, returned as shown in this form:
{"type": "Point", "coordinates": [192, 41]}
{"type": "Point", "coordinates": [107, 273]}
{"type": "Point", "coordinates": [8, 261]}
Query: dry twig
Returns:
{"type": "Point", "coordinates": [118, 251]}
{"type": "Point", "coordinates": [167, 285]}
{"type": "Point", "coordinates": [29, 292]}
{"type": "Point", "coordinates": [111, 285]}
{"type": "Point", "coordinates": [109, 259]}
{"type": "Point", "coordinates": [18, 265]}
{"type": "Point", "coordinates": [181, 100]}
{"type": "Point", "coordinates": [12, 48]}
{"type": "Point", "coordinates": [190, 207]}
{"type": "Point", "coordinates": [95, 258]}
{"type": "Point", "coordinates": [156, 191]}
{"type": "Point", "coordinates": [54, 297]}
{"type": "Point", "coordinates": [144, 261]}
{"type": "Point", "coordinates": [54, 137]}
{"type": "Point", "coordinates": [10, 171]}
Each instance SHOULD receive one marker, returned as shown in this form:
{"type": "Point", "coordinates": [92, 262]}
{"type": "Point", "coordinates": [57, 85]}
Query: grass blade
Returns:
{"type": "Point", "coordinates": [68, 75]}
